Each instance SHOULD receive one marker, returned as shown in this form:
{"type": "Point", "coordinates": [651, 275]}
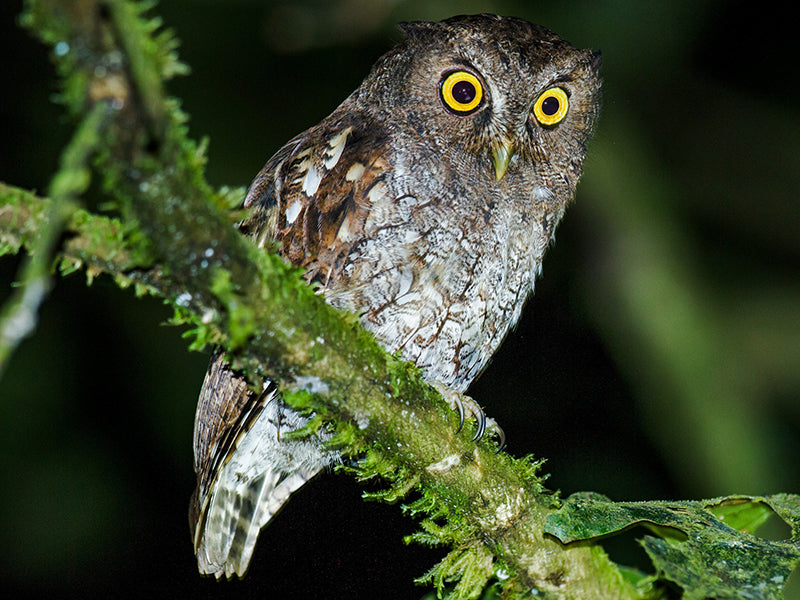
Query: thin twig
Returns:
{"type": "Point", "coordinates": [20, 313]}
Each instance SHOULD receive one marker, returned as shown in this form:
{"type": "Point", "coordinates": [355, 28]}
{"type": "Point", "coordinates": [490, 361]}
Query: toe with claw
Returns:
{"type": "Point", "coordinates": [467, 407]}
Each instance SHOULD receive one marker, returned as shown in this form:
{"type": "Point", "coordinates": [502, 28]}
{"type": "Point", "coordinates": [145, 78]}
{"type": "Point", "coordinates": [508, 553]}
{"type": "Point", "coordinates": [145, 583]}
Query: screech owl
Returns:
{"type": "Point", "coordinates": [424, 203]}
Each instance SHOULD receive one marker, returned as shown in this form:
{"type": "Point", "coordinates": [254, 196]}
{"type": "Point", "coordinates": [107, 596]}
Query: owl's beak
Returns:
{"type": "Point", "coordinates": [501, 156]}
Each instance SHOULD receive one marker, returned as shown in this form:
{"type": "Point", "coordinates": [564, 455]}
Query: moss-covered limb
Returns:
{"type": "Point", "coordinates": [488, 507]}
{"type": "Point", "coordinates": [480, 501]}
{"type": "Point", "coordinates": [90, 241]}
{"type": "Point", "coordinates": [485, 502]}
{"type": "Point", "coordinates": [20, 313]}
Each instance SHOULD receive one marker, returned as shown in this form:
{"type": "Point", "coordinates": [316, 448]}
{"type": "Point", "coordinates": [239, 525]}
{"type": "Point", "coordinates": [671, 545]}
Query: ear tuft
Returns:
{"type": "Point", "coordinates": [597, 60]}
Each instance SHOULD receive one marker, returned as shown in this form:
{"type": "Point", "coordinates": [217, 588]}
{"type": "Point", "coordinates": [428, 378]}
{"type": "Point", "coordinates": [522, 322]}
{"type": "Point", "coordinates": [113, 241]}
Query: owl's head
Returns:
{"type": "Point", "coordinates": [508, 98]}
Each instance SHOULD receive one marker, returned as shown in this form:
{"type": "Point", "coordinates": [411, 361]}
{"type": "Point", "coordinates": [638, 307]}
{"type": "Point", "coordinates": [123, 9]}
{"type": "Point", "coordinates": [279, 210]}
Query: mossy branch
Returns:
{"type": "Point", "coordinates": [175, 239]}
{"type": "Point", "coordinates": [19, 317]}
{"type": "Point", "coordinates": [490, 507]}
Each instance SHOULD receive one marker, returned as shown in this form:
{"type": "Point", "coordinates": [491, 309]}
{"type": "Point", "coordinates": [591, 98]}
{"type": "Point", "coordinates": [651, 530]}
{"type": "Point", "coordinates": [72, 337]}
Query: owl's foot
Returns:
{"type": "Point", "coordinates": [467, 407]}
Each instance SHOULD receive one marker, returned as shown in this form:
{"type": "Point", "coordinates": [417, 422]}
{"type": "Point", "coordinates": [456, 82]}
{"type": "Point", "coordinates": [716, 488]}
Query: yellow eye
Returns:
{"type": "Point", "coordinates": [551, 107]}
{"type": "Point", "coordinates": [461, 92]}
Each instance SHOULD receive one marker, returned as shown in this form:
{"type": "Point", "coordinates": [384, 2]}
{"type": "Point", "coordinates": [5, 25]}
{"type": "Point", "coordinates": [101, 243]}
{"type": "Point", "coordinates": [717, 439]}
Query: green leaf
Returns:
{"type": "Point", "coordinates": [705, 546]}
{"type": "Point", "coordinates": [742, 513]}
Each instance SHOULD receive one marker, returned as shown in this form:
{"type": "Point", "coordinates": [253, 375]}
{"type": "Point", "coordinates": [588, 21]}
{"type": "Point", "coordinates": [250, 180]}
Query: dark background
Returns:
{"type": "Point", "coordinates": [660, 357]}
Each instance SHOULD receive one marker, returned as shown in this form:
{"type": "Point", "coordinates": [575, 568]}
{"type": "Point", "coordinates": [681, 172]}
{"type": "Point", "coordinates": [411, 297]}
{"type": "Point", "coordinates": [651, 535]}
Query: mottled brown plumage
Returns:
{"type": "Point", "coordinates": [424, 203]}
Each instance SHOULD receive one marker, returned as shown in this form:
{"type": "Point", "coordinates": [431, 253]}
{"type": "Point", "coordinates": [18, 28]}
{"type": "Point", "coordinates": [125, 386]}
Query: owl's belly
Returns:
{"type": "Point", "coordinates": [444, 296]}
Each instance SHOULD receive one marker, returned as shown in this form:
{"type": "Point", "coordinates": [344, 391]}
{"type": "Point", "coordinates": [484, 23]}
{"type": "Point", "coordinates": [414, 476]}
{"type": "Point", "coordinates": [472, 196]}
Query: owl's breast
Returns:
{"type": "Point", "coordinates": [441, 277]}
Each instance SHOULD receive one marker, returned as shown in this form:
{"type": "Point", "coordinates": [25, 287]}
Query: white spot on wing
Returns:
{"type": "Point", "coordinates": [355, 172]}
{"type": "Point", "coordinates": [311, 181]}
{"type": "Point", "coordinates": [340, 137]}
{"type": "Point", "coordinates": [337, 144]}
{"type": "Point", "coordinates": [378, 194]}
{"type": "Point", "coordinates": [293, 211]}
{"type": "Point", "coordinates": [344, 230]}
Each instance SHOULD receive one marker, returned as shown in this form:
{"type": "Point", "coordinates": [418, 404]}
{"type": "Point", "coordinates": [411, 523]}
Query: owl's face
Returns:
{"type": "Point", "coordinates": [499, 97]}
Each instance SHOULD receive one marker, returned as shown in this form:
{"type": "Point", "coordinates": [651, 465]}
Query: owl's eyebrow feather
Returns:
{"type": "Point", "coordinates": [558, 78]}
{"type": "Point", "coordinates": [460, 60]}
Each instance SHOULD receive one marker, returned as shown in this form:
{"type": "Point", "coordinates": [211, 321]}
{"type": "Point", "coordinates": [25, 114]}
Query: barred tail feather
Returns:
{"type": "Point", "coordinates": [253, 483]}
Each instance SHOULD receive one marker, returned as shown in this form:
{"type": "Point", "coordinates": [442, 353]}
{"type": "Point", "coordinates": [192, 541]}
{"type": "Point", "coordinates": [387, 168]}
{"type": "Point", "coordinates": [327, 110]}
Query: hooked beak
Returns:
{"type": "Point", "coordinates": [501, 156]}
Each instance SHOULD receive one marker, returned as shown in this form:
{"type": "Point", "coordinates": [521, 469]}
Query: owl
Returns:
{"type": "Point", "coordinates": [424, 203]}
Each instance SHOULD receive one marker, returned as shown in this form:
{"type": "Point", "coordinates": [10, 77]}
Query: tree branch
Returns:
{"type": "Point", "coordinates": [19, 316]}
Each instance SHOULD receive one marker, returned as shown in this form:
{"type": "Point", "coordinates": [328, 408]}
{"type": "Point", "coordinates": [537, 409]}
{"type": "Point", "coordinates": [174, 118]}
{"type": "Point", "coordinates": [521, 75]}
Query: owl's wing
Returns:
{"type": "Point", "coordinates": [223, 398]}
{"type": "Point", "coordinates": [246, 469]}
{"type": "Point", "coordinates": [312, 198]}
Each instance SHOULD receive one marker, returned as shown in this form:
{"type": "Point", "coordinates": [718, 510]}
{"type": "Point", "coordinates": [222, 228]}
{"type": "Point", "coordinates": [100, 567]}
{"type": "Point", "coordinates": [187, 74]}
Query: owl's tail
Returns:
{"type": "Point", "coordinates": [246, 475]}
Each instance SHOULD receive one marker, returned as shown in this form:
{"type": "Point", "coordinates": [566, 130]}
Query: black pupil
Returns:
{"type": "Point", "coordinates": [550, 106]}
{"type": "Point", "coordinates": [464, 92]}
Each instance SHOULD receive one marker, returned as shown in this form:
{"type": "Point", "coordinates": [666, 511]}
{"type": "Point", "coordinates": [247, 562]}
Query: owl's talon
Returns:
{"type": "Point", "coordinates": [460, 408]}
{"type": "Point", "coordinates": [480, 423]}
{"type": "Point", "coordinates": [502, 438]}
{"type": "Point", "coordinates": [466, 406]}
